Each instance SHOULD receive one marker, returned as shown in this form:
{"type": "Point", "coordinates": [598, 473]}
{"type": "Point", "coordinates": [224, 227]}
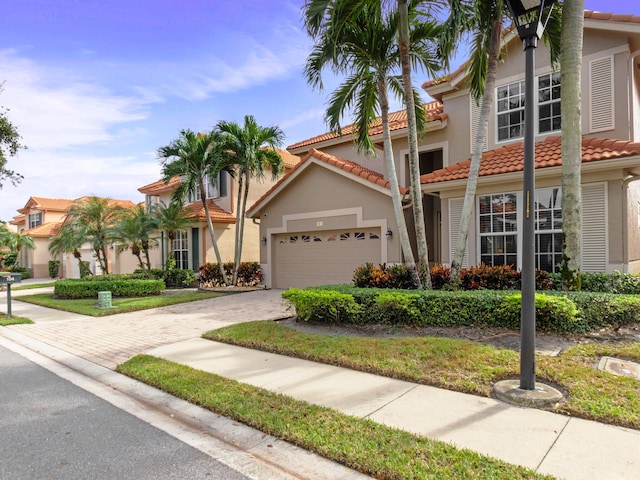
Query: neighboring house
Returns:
{"type": "Point", "coordinates": [41, 219]}
{"type": "Point", "coordinates": [192, 247]}
{"type": "Point", "coordinates": [333, 211]}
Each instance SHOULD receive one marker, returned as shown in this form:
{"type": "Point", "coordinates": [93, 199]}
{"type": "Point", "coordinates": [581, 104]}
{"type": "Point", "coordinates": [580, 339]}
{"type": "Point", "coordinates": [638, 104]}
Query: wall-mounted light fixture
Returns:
{"type": "Point", "coordinates": [389, 233]}
{"type": "Point", "coordinates": [263, 240]}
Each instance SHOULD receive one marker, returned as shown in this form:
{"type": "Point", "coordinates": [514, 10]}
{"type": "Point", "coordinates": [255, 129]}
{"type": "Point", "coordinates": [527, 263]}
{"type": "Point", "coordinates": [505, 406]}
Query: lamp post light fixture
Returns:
{"type": "Point", "coordinates": [528, 17]}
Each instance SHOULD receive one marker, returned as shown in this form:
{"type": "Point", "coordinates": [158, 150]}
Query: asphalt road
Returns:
{"type": "Point", "coordinates": [51, 429]}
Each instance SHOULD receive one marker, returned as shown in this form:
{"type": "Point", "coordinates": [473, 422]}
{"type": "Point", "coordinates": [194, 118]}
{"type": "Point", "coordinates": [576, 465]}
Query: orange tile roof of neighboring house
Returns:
{"type": "Point", "coordinates": [45, 230]}
{"type": "Point", "coordinates": [18, 219]}
{"type": "Point", "coordinates": [41, 203]}
{"type": "Point", "coordinates": [159, 187]}
{"type": "Point", "coordinates": [289, 159]}
{"type": "Point", "coordinates": [121, 203]}
{"type": "Point", "coordinates": [510, 158]}
{"type": "Point", "coordinates": [397, 121]}
{"type": "Point", "coordinates": [616, 17]}
{"type": "Point", "coordinates": [217, 213]}
{"type": "Point", "coordinates": [348, 166]}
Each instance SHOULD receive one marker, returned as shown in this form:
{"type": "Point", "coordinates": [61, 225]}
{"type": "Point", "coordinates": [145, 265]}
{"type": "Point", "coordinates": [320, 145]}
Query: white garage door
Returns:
{"type": "Point", "coordinates": [319, 258]}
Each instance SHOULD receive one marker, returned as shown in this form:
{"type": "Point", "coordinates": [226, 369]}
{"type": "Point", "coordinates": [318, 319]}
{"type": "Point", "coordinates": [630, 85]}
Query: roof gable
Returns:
{"type": "Point", "coordinates": [42, 203]}
{"type": "Point", "coordinates": [350, 169]}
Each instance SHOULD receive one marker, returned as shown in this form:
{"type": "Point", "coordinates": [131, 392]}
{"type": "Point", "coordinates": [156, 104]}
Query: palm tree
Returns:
{"type": "Point", "coordinates": [133, 232]}
{"type": "Point", "coordinates": [69, 239]}
{"type": "Point", "coordinates": [362, 46]}
{"type": "Point", "coordinates": [95, 217]}
{"type": "Point", "coordinates": [571, 61]}
{"type": "Point", "coordinates": [246, 145]}
{"type": "Point", "coordinates": [484, 20]}
{"type": "Point", "coordinates": [17, 241]}
{"type": "Point", "coordinates": [171, 219]}
{"type": "Point", "coordinates": [195, 158]}
{"type": "Point", "coordinates": [404, 42]}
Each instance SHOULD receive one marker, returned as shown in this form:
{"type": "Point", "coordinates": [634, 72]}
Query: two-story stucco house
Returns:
{"type": "Point", "coordinates": [41, 219]}
{"type": "Point", "coordinates": [192, 247]}
{"type": "Point", "coordinates": [333, 211]}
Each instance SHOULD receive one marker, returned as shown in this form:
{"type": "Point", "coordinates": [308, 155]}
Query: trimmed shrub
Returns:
{"type": "Point", "coordinates": [54, 268]}
{"type": "Point", "coordinates": [555, 311]}
{"type": "Point", "coordinates": [79, 288]}
{"type": "Point", "coordinates": [322, 305]}
{"type": "Point", "coordinates": [383, 276]}
{"type": "Point", "coordinates": [25, 272]}
{"type": "Point", "coordinates": [172, 277]}
{"type": "Point", "coordinates": [249, 274]}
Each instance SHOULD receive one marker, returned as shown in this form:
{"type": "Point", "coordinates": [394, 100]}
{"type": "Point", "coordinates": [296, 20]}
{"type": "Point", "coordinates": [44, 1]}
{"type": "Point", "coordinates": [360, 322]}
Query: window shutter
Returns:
{"type": "Point", "coordinates": [475, 118]}
{"type": "Point", "coordinates": [594, 228]}
{"type": "Point", "coordinates": [601, 95]}
{"type": "Point", "coordinates": [455, 214]}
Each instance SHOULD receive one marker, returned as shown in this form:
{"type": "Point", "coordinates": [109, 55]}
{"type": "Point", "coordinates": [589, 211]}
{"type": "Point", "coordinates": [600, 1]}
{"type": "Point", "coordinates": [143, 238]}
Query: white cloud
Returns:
{"type": "Point", "coordinates": [53, 109]}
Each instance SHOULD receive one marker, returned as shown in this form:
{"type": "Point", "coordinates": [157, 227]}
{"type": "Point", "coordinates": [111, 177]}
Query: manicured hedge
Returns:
{"type": "Point", "coordinates": [75, 288]}
{"type": "Point", "coordinates": [555, 311]}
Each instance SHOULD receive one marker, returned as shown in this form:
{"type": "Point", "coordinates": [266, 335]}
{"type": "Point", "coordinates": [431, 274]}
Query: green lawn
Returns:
{"type": "Point", "coordinates": [30, 286]}
{"type": "Point", "coordinates": [5, 320]}
{"type": "Point", "coordinates": [88, 306]}
{"type": "Point", "coordinates": [361, 444]}
{"type": "Point", "coordinates": [461, 365]}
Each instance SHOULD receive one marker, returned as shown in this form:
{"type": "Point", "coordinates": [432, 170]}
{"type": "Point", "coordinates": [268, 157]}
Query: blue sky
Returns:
{"type": "Point", "coordinates": [95, 87]}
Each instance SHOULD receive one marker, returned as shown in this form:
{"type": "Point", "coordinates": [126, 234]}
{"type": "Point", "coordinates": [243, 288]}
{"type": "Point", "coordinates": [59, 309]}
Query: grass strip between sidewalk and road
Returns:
{"type": "Point", "coordinates": [31, 286]}
{"type": "Point", "coordinates": [363, 445]}
{"type": "Point", "coordinates": [89, 306]}
{"type": "Point", "coordinates": [461, 365]}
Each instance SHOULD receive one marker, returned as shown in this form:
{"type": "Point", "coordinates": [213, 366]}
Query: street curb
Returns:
{"type": "Point", "coordinates": [245, 449]}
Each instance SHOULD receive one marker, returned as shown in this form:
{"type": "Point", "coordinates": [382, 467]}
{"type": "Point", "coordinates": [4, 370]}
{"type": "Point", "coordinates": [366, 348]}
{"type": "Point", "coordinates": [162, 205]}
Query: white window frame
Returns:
{"type": "Point", "coordinates": [35, 219]}
{"type": "Point", "coordinates": [181, 249]}
{"type": "Point", "coordinates": [552, 229]}
{"type": "Point", "coordinates": [520, 108]}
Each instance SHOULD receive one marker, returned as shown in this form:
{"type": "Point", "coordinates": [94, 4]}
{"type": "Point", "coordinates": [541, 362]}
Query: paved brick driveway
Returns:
{"type": "Point", "coordinates": [111, 340]}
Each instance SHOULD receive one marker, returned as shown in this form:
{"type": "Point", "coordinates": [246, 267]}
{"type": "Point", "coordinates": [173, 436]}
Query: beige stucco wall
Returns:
{"type": "Point", "coordinates": [633, 226]}
{"type": "Point", "coordinates": [39, 258]}
{"type": "Point", "coordinates": [318, 200]}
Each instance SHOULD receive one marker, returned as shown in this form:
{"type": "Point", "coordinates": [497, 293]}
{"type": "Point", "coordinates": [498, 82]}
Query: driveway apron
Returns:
{"type": "Point", "coordinates": [111, 340]}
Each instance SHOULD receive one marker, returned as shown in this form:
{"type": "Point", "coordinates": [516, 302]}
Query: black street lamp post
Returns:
{"type": "Point", "coordinates": [528, 18]}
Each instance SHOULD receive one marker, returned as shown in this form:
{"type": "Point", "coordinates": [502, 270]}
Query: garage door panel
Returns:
{"type": "Point", "coordinates": [315, 258]}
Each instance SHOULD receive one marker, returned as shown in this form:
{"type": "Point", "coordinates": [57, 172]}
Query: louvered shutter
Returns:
{"type": "Point", "coordinates": [594, 228]}
{"type": "Point", "coordinates": [455, 214]}
{"type": "Point", "coordinates": [601, 95]}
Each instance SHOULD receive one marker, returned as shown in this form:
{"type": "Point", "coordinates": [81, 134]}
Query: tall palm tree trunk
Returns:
{"type": "Point", "coordinates": [239, 217]}
{"type": "Point", "coordinates": [240, 228]}
{"type": "Point", "coordinates": [476, 155]}
{"type": "Point", "coordinates": [571, 61]}
{"type": "Point", "coordinates": [414, 162]}
{"type": "Point", "coordinates": [409, 259]}
{"type": "Point", "coordinates": [212, 233]}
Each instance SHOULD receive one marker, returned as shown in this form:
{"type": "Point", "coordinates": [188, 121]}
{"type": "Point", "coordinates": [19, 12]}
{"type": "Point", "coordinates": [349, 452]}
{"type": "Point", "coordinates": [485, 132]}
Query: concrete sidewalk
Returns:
{"type": "Point", "coordinates": [546, 442]}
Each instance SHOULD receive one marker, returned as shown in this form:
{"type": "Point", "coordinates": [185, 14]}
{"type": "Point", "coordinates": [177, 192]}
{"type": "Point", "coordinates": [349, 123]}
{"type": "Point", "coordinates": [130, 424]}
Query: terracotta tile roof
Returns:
{"type": "Point", "coordinates": [41, 203]}
{"type": "Point", "coordinates": [289, 159]}
{"type": "Point", "coordinates": [615, 17]}
{"type": "Point", "coordinates": [348, 166]}
{"type": "Point", "coordinates": [18, 220]}
{"type": "Point", "coordinates": [159, 187]}
{"type": "Point", "coordinates": [45, 230]}
{"type": "Point", "coordinates": [112, 201]}
{"type": "Point", "coordinates": [217, 213]}
{"type": "Point", "coordinates": [397, 121]}
{"type": "Point", "coordinates": [548, 154]}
